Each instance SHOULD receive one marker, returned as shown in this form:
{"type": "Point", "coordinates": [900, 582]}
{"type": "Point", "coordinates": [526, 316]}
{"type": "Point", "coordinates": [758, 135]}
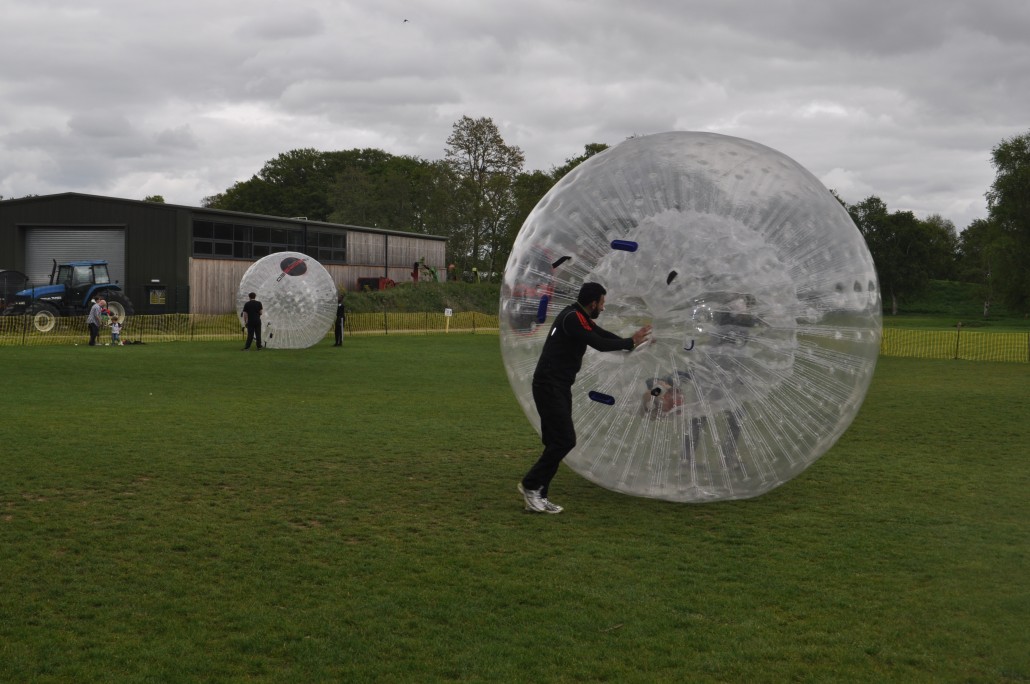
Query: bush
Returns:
{"type": "Point", "coordinates": [432, 297]}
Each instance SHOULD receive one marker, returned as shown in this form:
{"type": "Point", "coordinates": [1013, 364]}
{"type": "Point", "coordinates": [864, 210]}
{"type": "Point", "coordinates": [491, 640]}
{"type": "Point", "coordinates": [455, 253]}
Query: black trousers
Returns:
{"type": "Point", "coordinates": [554, 404]}
{"type": "Point", "coordinates": [338, 329]}
{"type": "Point", "coordinates": [253, 334]}
{"type": "Point", "coordinates": [94, 331]}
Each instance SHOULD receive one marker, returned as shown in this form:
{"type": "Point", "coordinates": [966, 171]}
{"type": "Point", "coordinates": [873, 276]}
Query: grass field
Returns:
{"type": "Point", "coordinates": [184, 512]}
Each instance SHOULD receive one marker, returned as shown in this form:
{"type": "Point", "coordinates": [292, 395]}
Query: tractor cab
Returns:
{"type": "Point", "coordinates": [80, 278]}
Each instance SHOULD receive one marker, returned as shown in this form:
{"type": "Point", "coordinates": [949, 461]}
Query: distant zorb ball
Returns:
{"type": "Point", "coordinates": [298, 297]}
{"type": "Point", "coordinates": [764, 302]}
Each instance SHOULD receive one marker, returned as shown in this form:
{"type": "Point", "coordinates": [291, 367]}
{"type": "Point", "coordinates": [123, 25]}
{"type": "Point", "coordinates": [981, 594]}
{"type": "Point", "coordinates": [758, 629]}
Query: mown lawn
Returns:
{"type": "Point", "coordinates": [185, 512]}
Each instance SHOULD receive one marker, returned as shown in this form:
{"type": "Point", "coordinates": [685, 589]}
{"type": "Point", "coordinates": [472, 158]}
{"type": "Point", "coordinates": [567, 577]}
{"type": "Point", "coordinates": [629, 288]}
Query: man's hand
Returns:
{"type": "Point", "coordinates": [641, 336]}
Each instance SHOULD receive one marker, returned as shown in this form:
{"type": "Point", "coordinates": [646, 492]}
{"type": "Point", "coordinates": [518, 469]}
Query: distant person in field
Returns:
{"type": "Point", "coordinates": [252, 312]}
{"type": "Point", "coordinates": [93, 320]}
{"type": "Point", "coordinates": [116, 331]}
{"type": "Point", "coordinates": [341, 316]}
{"type": "Point", "coordinates": [573, 331]}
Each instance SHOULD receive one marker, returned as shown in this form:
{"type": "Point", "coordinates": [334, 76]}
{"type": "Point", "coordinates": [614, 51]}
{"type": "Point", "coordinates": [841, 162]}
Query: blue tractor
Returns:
{"type": "Point", "coordinates": [72, 289]}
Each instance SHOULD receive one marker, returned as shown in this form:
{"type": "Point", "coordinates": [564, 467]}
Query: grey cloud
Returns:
{"type": "Point", "coordinates": [287, 23]}
{"type": "Point", "coordinates": [900, 100]}
{"type": "Point", "coordinates": [99, 125]}
{"type": "Point", "coordinates": [181, 138]}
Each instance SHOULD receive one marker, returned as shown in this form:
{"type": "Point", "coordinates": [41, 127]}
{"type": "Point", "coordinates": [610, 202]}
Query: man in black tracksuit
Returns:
{"type": "Point", "coordinates": [573, 330]}
{"type": "Point", "coordinates": [252, 313]}
{"type": "Point", "coordinates": [341, 316]}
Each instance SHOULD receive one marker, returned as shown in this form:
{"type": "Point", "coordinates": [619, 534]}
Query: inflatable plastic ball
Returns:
{"type": "Point", "coordinates": [762, 295]}
{"type": "Point", "coordinates": [298, 297]}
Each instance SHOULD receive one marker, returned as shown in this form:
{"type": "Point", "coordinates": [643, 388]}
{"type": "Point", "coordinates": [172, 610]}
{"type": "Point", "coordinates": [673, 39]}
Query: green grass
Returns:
{"type": "Point", "coordinates": [185, 512]}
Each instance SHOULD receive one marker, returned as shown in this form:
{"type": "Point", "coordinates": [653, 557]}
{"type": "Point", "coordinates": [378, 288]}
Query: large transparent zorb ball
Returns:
{"type": "Point", "coordinates": [298, 297]}
{"type": "Point", "coordinates": [764, 302]}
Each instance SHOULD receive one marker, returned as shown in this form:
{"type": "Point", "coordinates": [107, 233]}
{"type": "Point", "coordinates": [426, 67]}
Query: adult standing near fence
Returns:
{"type": "Point", "coordinates": [341, 316]}
{"type": "Point", "coordinates": [252, 312]}
{"type": "Point", "coordinates": [93, 320]}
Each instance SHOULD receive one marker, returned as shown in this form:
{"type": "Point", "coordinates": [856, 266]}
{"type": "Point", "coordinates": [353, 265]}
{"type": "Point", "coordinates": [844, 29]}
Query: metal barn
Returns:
{"type": "Point", "coordinates": [179, 259]}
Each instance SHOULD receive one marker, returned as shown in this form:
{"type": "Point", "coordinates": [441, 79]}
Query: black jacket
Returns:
{"type": "Point", "coordinates": [253, 310]}
{"type": "Point", "coordinates": [572, 332]}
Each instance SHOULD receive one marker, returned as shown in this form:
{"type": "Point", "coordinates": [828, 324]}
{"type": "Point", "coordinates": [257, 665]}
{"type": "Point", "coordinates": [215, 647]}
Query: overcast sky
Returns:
{"type": "Point", "coordinates": [902, 99]}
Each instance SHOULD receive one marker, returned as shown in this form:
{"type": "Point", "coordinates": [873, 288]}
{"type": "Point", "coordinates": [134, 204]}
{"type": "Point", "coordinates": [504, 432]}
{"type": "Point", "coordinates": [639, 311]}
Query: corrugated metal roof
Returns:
{"type": "Point", "coordinates": [216, 212]}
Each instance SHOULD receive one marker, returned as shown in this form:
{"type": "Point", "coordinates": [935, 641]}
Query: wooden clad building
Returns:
{"type": "Point", "coordinates": [177, 259]}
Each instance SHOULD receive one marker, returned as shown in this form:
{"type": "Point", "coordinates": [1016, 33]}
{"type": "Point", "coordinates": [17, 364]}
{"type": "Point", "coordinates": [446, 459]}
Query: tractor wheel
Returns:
{"type": "Point", "coordinates": [117, 303]}
{"type": "Point", "coordinates": [44, 316]}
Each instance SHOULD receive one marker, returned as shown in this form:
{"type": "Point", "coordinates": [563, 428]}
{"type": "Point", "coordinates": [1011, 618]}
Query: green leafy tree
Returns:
{"type": "Point", "coordinates": [295, 183]}
{"type": "Point", "coordinates": [397, 193]}
{"type": "Point", "coordinates": [589, 151]}
{"type": "Point", "coordinates": [351, 189]}
{"type": "Point", "coordinates": [366, 187]}
{"type": "Point", "coordinates": [484, 169]}
{"type": "Point", "coordinates": [530, 188]}
{"type": "Point", "coordinates": [941, 247]}
{"type": "Point", "coordinates": [981, 248]}
{"type": "Point", "coordinates": [156, 199]}
{"type": "Point", "coordinates": [1008, 204]}
{"type": "Point", "coordinates": [899, 247]}
{"type": "Point", "coordinates": [254, 196]}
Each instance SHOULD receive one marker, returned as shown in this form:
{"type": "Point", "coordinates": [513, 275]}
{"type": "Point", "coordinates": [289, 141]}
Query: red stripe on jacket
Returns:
{"type": "Point", "coordinates": [584, 321]}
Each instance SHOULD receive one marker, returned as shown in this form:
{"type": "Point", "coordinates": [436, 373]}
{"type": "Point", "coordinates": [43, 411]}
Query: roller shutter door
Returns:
{"type": "Point", "coordinates": [43, 245]}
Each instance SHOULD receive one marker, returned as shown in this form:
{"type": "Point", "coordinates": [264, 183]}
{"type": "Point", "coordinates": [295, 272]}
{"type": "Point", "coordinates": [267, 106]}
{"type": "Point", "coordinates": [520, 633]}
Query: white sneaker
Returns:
{"type": "Point", "coordinates": [551, 507]}
{"type": "Point", "coordinates": [534, 502]}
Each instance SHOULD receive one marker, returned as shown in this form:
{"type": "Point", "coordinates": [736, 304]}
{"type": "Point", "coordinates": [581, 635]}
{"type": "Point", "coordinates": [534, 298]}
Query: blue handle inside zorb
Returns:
{"type": "Point", "coordinates": [601, 397]}
{"type": "Point", "coordinates": [541, 309]}
{"type": "Point", "coordinates": [624, 245]}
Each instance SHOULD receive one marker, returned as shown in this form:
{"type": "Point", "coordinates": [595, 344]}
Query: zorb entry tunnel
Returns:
{"type": "Point", "coordinates": [298, 296]}
{"type": "Point", "coordinates": [763, 300]}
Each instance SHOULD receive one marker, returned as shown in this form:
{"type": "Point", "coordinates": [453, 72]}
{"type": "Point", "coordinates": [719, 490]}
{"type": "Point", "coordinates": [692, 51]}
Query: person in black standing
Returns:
{"type": "Point", "coordinates": [341, 316]}
{"type": "Point", "coordinates": [573, 330]}
{"type": "Point", "coordinates": [252, 312]}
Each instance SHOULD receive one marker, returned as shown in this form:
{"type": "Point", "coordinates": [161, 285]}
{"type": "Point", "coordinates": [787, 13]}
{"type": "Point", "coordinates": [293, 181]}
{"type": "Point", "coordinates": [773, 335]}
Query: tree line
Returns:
{"type": "Point", "coordinates": [480, 193]}
{"type": "Point", "coordinates": [477, 196]}
{"type": "Point", "coordinates": [992, 252]}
